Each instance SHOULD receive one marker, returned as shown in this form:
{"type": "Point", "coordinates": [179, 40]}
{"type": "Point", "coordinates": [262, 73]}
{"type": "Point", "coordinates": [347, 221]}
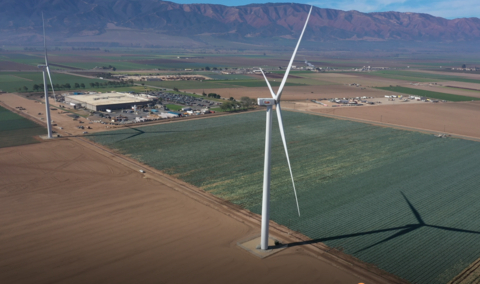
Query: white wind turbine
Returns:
{"type": "Point", "coordinates": [46, 71]}
{"type": "Point", "coordinates": [266, 174]}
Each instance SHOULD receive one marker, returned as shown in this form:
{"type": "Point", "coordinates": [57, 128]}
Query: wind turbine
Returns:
{"type": "Point", "coordinates": [267, 167]}
{"type": "Point", "coordinates": [46, 71]}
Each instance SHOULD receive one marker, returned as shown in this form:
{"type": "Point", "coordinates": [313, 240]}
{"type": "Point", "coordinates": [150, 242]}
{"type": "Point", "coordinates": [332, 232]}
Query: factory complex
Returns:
{"type": "Point", "coordinates": [104, 101]}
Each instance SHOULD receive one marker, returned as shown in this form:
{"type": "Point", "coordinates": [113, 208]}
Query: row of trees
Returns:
{"type": "Point", "coordinates": [233, 105]}
{"type": "Point", "coordinates": [211, 95]}
{"type": "Point", "coordinates": [108, 67]}
{"type": "Point", "coordinates": [39, 87]}
{"type": "Point", "coordinates": [112, 84]}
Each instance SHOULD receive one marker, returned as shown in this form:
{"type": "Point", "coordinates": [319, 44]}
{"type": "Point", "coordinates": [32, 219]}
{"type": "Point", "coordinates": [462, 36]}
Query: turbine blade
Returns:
{"type": "Point", "coordinates": [282, 133]}
{"type": "Point", "coordinates": [51, 83]}
{"type": "Point", "coordinates": [280, 89]}
{"type": "Point", "coordinates": [44, 41]}
{"type": "Point", "coordinates": [268, 84]}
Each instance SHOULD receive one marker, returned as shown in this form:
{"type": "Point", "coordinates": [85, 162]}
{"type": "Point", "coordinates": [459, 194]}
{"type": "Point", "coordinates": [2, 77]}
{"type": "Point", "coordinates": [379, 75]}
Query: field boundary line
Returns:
{"type": "Point", "coordinates": [472, 269]}
{"type": "Point", "coordinates": [24, 115]}
{"type": "Point", "coordinates": [369, 272]}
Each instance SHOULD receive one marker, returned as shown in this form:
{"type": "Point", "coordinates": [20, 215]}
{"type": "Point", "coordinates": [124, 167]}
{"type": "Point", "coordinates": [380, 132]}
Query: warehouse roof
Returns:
{"type": "Point", "coordinates": [108, 98]}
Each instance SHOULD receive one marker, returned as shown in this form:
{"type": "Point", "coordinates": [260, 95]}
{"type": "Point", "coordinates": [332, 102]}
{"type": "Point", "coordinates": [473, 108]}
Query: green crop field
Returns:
{"type": "Point", "coordinates": [174, 107]}
{"type": "Point", "coordinates": [429, 94]}
{"type": "Point", "coordinates": [30, 59]}
{"type": "Point", "coordinates": [10, 82]}
{"type": "Point", "coordinates": [404, 201]}
{"type": "Point", "coordinates": [16, 130]}
{"type": "Point", "coordinates": [421, 76]}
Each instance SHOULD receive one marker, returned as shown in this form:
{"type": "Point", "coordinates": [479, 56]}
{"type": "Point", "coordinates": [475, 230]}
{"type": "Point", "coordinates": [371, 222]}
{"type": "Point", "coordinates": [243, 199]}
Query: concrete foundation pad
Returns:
{"type": "Point", "coordinates": [252, 245]}
{"type": "Point", "coordinates": [45, 137]}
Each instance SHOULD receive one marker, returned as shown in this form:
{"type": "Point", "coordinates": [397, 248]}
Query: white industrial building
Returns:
{"type": "Point", "coordinates": [104, 101]}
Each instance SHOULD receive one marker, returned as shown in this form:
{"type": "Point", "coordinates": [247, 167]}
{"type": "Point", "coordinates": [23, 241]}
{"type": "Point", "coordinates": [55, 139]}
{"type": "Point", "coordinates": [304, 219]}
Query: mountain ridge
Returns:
{"type": "Point", "coordinates": [20, 21]}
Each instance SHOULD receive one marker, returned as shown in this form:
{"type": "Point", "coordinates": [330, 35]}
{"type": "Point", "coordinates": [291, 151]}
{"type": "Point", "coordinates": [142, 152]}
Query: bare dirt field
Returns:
{"type": "Point", "coordinates": [297, 92]}
{"type": "Point", "coordinates": [461, 118]}
{"type": "Point", "coordinates": [459, 74]}
{"type": "Point", "coordinates": [59, 117]}
{"type": "Point", "coordinates": [378, 81]}
{"type": "Point", "coordinates": [73, 215]}
{"type": "Point", "coordinates": [353, 78]}
{"type": "Point", "coordinates": [11, 66]}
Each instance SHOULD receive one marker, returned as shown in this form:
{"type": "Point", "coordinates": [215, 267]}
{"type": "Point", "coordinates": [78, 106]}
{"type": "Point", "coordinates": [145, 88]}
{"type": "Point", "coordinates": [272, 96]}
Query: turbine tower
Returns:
{"type": "Point", "coordinates": [275, 100]}
{"type": "Point", "coordinates": [46, 71]}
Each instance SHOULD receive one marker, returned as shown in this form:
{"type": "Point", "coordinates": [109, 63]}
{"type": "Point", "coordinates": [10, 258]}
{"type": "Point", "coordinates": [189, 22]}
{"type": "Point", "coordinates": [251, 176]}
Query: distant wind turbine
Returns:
{"type": "Point", "coordinates": [267, 167]}
{"type": "Point", "coordinates": [46, 71]}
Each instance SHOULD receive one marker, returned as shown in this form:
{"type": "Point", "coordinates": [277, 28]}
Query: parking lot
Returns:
{"type": "Point", "coordinates": [187, 105]}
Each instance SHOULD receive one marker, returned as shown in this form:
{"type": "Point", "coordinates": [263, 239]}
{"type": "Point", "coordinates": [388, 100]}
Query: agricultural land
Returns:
{"type": "Point", "coordinates": [232, 74]}
{"type": "Point", "coordinates": [400, 200]}
{"type": "Point", "coordinates": [387, 183]}
{"type": "Point", "coordinates": [16, 130]}
{"type": "Point", "coordinates": [72, 213]}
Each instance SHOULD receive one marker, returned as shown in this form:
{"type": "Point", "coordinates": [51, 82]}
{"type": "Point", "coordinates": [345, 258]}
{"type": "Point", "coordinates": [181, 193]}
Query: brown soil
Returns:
{"type": "Point", "coordinates": [59, 117]}
{"type": "Point", "coordinates": [13, 66]}
{"type": "Point", "coordinates": [459, 74]}
{"type": "Point", "coordinates": [454, 118]}
{"type": "Point", "coordinates": [297, 92]}
{"type": "Point", "coordinates": [273, 76]}
{"type": "Point", "coordinates": [66, 67]}
{"type": "Point", "coordinates": [72, 214]}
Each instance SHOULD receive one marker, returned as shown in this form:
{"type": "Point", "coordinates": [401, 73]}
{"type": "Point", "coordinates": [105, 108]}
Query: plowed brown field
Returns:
{"type": "Point", "coordinates": [72, 215]}
{"type": "Point", "coordinates": [297, 92]}
{"type": "Point", "coordinates": [461, 118]}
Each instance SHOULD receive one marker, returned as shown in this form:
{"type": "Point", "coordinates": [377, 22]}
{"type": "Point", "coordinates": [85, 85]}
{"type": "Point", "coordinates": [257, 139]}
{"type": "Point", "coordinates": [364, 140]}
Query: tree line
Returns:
{"type": "Point", "coordinates": [233, 105]}
{"type": "Point", "coordinates": [67, 86]}
{"type": "Point", "coordinates": [211, 95]}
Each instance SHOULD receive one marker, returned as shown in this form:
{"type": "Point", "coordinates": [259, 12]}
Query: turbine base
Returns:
{"type": "Point", "coordinates": [252, 245]}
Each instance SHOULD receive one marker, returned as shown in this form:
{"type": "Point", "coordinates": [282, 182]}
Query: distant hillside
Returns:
{"type": "Point", "coordinates": [155, 22]}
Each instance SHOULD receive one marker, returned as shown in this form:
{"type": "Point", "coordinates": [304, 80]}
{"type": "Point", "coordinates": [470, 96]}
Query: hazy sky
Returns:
{"type": "Point", "coordinates": [449, 9]}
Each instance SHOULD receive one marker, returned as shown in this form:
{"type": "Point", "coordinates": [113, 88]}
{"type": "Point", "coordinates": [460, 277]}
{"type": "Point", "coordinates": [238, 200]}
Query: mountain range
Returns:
{"type": "Point", "coordinates": [155, 22]}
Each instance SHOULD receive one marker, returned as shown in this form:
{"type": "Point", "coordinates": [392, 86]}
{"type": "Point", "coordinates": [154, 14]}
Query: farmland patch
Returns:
{"type": "Point", "coordinates": [16, 130]}
{"type": "Point", "coordinates": [400, 200]}
{"type": "Point", "coordinates": [10, 82]}
{"type": "Point", "coordinates": [428, 94]}
{"type": "Point", "coordinates": [421, 76]}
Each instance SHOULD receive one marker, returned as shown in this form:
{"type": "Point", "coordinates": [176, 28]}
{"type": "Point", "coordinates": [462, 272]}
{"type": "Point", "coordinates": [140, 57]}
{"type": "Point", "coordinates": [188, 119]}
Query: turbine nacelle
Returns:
{"type": "Point", "coordinates": [266, 102]}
